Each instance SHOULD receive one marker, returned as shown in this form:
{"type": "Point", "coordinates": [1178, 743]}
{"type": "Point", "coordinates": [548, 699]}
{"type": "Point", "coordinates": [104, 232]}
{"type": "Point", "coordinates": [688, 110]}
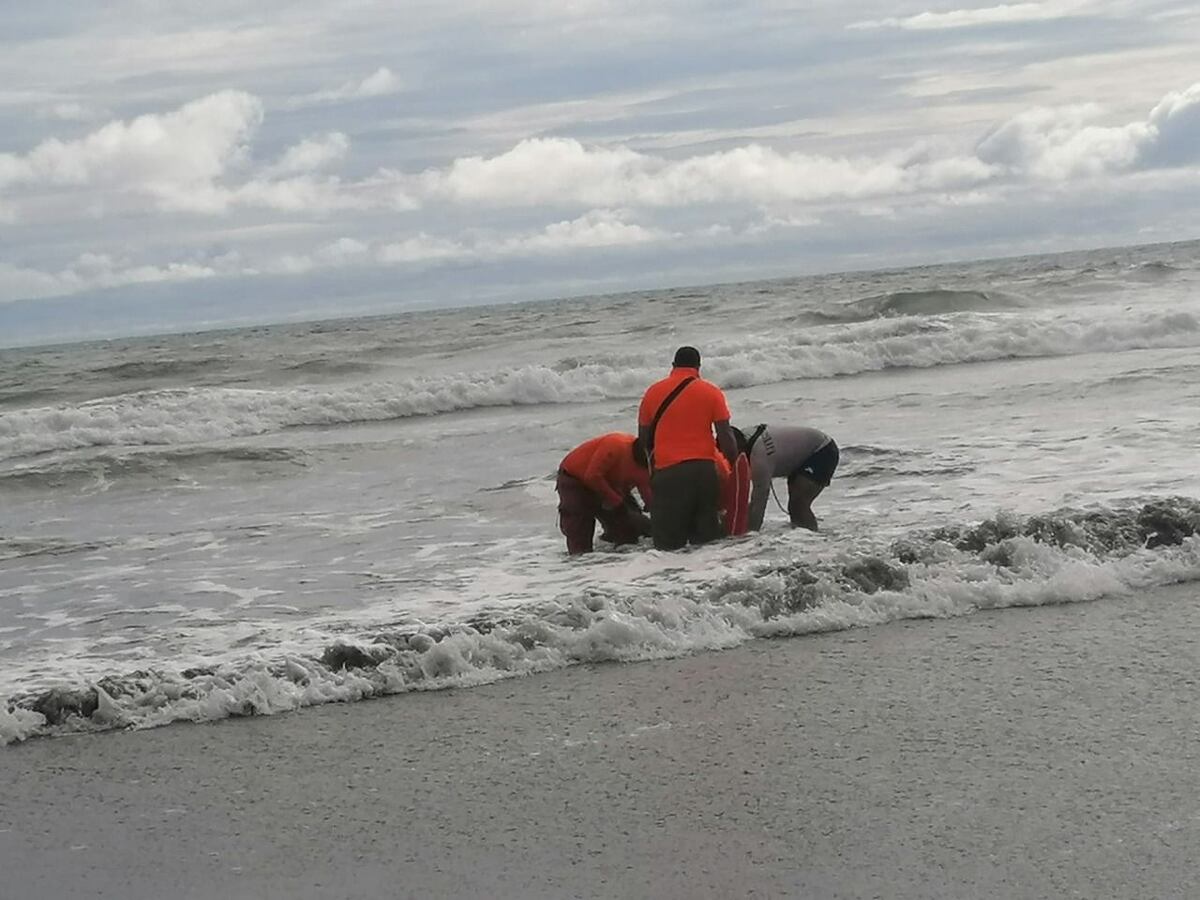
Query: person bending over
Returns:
{"type": "Point", "coordinates": [806, 457]}
{"type": "Point", "coordinates": [594, 484]}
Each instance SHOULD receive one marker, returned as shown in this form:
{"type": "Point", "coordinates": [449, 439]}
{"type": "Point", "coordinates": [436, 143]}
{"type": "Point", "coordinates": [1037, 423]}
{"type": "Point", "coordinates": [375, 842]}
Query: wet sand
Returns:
{"type": "Point", "coordinates": [1048, 752]}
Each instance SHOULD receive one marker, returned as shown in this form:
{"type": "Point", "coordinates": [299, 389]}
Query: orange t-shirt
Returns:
{"type": "Point", "coordinates": [605, 464]}
{"type": "Point", "coordinates": [685, 430]}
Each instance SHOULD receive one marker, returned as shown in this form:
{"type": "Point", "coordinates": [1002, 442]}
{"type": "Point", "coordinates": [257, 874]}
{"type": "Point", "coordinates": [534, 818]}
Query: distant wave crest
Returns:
{"type": "Point", "coordinates": [190, 415]}
{"type": "Point", "coordinates": [938, 301]}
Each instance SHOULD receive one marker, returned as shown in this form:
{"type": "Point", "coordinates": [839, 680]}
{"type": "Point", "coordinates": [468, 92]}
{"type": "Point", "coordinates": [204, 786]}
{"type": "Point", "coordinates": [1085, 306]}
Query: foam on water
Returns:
{"type": "Point", "coordinates": [715, 598]}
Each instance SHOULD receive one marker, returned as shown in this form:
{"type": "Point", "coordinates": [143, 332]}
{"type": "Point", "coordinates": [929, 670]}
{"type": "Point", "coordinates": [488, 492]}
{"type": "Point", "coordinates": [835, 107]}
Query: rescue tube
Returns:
{"type": "Point", "coordinates": [735, 500]}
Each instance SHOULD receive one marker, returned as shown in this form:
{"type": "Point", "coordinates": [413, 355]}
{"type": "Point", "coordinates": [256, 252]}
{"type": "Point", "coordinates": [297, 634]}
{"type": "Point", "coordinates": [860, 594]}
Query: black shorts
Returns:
{"type": "Point", "coordinates": [821, 465]}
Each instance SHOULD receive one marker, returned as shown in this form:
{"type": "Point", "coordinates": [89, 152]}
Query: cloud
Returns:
{"type": "Point", "coordinates": [421, 249]}
{"type": "Point", "coordinates": [68, 111]}
{"type": "Point", "coordinates": [199, 159]}
{"type": "Point", "coordinates": [196, 159]}
{"type": "Point", "coordinates": [562, 171]}
{"type": "Point", "coordinates": [1063, 143]}
{"type": "Point", "coordinates": [92, 271]}
{"type": "Point", "coordinates": [311, 154]}
{"type": "Point", "coordinates": [379, 83]}
{"type": "Point", "coordinates": [1175, 123]}
{"type": "Point", "coordinates": [598, 228]}
{"type": "Point", "coordinates": [344, 250]}
{"type": "Point", "coordinates": [1004, 14]}
{"type": "Point", "coordinates": [174, 158]}
{"type": "Point", "coordinates": [301, 194]}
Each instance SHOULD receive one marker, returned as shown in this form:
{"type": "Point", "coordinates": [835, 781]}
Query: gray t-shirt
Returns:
{"type": "Point", "coordinates": [779, 452]}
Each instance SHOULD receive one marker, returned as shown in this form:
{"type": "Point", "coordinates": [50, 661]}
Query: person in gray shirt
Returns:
{"type": "Point", "coordinates": [806, 457]}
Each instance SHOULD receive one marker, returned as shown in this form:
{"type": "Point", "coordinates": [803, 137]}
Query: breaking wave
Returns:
{"type": "Point", "coordinates": [939, 301]}
{"type": "Point", "coordinates": [189, 415]}
{"type": "Point", "coordinates": [1066, 556]}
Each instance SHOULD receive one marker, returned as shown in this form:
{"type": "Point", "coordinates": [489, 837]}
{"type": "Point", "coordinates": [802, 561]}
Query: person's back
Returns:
{"type": "Point", "coordinates": [593, 485]}
{"type": "Point", "coordinates": [806, 457]}
{"type": "Point", "coordinates": [788, 447]}
{"type": "Point", "coordinates": [676, 422]}
{"type": "Point", "coordinates": [609, 467]}
{"type": "Point", "coordinates": [685, 429]}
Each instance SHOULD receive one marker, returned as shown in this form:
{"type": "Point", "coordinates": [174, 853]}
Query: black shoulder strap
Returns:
{"type": "Point", "coordinates": [663, 408]}
{"type": "Point", "coordinates": [754, 436]}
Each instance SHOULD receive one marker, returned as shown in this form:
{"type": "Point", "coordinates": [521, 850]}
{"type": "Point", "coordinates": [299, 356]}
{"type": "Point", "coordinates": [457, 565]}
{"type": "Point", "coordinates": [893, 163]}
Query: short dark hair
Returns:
{"type": "Point", "coordinates": [687, 358]}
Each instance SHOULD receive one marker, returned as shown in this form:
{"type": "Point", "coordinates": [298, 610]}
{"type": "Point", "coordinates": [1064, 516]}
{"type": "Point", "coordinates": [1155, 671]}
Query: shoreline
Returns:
{"type": "Point", "coordinates": [1026, 752]}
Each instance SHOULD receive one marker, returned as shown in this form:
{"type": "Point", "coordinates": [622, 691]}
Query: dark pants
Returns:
{"type": "Point", "coordinates": [687, 497]}
{"type": "Point", "coordinates": [580, 508]}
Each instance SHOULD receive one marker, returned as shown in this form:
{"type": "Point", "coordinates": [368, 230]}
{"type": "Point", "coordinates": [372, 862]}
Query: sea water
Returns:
{"type": "Point", "coordinates": [195, 526]}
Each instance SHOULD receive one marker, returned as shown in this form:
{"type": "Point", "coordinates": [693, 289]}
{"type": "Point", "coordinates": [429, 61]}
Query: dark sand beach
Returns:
{"type": "Point", "coordinates": [1043, 752]}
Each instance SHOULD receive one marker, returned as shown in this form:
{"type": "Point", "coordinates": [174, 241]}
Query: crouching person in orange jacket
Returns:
{"type": "Point", "coordinates": [594, 484]}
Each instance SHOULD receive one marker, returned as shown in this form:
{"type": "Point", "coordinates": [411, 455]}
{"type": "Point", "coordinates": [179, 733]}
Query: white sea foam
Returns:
{"type": "Point", "coordinates": [659, 620]}
{"type": "Point", "coordinates": [18, 724]}
{"type": "Point", "coordinates": [179, 416]}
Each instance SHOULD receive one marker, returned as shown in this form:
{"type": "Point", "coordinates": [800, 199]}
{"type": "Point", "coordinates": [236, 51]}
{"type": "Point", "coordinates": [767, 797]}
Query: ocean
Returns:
{"type": "Point", "coordinates": [246, 522]}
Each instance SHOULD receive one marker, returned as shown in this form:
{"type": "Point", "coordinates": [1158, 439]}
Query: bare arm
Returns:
{"type": "Point", "coordinates": [760, 479]}
{"type": "Point", "coordinates": [644, 439]}
{"type": "Point", "coordinates": [726, 440]}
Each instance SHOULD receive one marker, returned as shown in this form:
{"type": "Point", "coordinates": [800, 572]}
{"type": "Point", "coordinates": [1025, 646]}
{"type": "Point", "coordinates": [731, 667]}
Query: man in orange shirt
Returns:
{"type": "Point", "coordinates": [594, 484]}
{"type": "Point", "coordinates": [676, 421]}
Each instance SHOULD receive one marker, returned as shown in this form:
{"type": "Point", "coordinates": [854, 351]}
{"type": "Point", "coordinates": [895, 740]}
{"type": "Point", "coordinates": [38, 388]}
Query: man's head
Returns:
{"type": "Point", "coordinates": [687, 358]}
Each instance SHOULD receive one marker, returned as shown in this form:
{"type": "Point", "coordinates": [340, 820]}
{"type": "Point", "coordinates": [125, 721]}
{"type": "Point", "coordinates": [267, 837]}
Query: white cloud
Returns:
{"type": "Point", "coordinates": [536, 171]}
{"type": "Point", "coordinates": [311, 154]}
{"type": "Point", "coordinates": [302, 194]}
{"type": "Point", "coordinates": [198, 159]}
{"type": "Point", "coordinates": [1176, 125]}
{"type": "Point", "coordinates": [1003, 14]}
{"type": "Point", "coordinates": [380, 83]}
{"type": "Point", "coordinates": [1065, 142]}
{"type": "Point", "coordinates": [343, 250]}
{"type": "Point", "coordinates": [419, 249]}
{"type": "Point", "coordinates": [92, 271]}
{"type": "Point", "coordinates": [194, 159]}
{"type": "Point", "coordinates": [558, 171]}
{"type": "Point", "coordinates": [593, 230]}
{"type": "Point", "coordinates": [598, 228]}
{"type": "Point", "coordinates": [68, 111]}
{"type": "Point", "coordinates": [1062, 143]}
{"type": "Point", "coordinates": [174, 158]}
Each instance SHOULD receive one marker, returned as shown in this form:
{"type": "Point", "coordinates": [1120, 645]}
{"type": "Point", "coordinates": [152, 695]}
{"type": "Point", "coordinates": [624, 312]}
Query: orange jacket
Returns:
{"type": "Point", "coordinates": [685, 430]}
{"type": "Point", "coordinates": [605, 464]}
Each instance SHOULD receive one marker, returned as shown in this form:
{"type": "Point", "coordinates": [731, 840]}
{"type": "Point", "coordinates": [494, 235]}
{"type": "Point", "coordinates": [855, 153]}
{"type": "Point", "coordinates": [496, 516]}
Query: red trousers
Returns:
{"type": "Point", "coordinates": [580, 508]}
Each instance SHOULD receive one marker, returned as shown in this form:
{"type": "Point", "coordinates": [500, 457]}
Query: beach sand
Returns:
{"type": "Point", "coordinates": [1044, 752]}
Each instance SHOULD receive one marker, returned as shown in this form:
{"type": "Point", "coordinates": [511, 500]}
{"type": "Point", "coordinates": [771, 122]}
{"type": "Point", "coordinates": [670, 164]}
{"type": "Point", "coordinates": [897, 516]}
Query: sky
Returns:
{"type": "Point", "coordinates": [172, 165]}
